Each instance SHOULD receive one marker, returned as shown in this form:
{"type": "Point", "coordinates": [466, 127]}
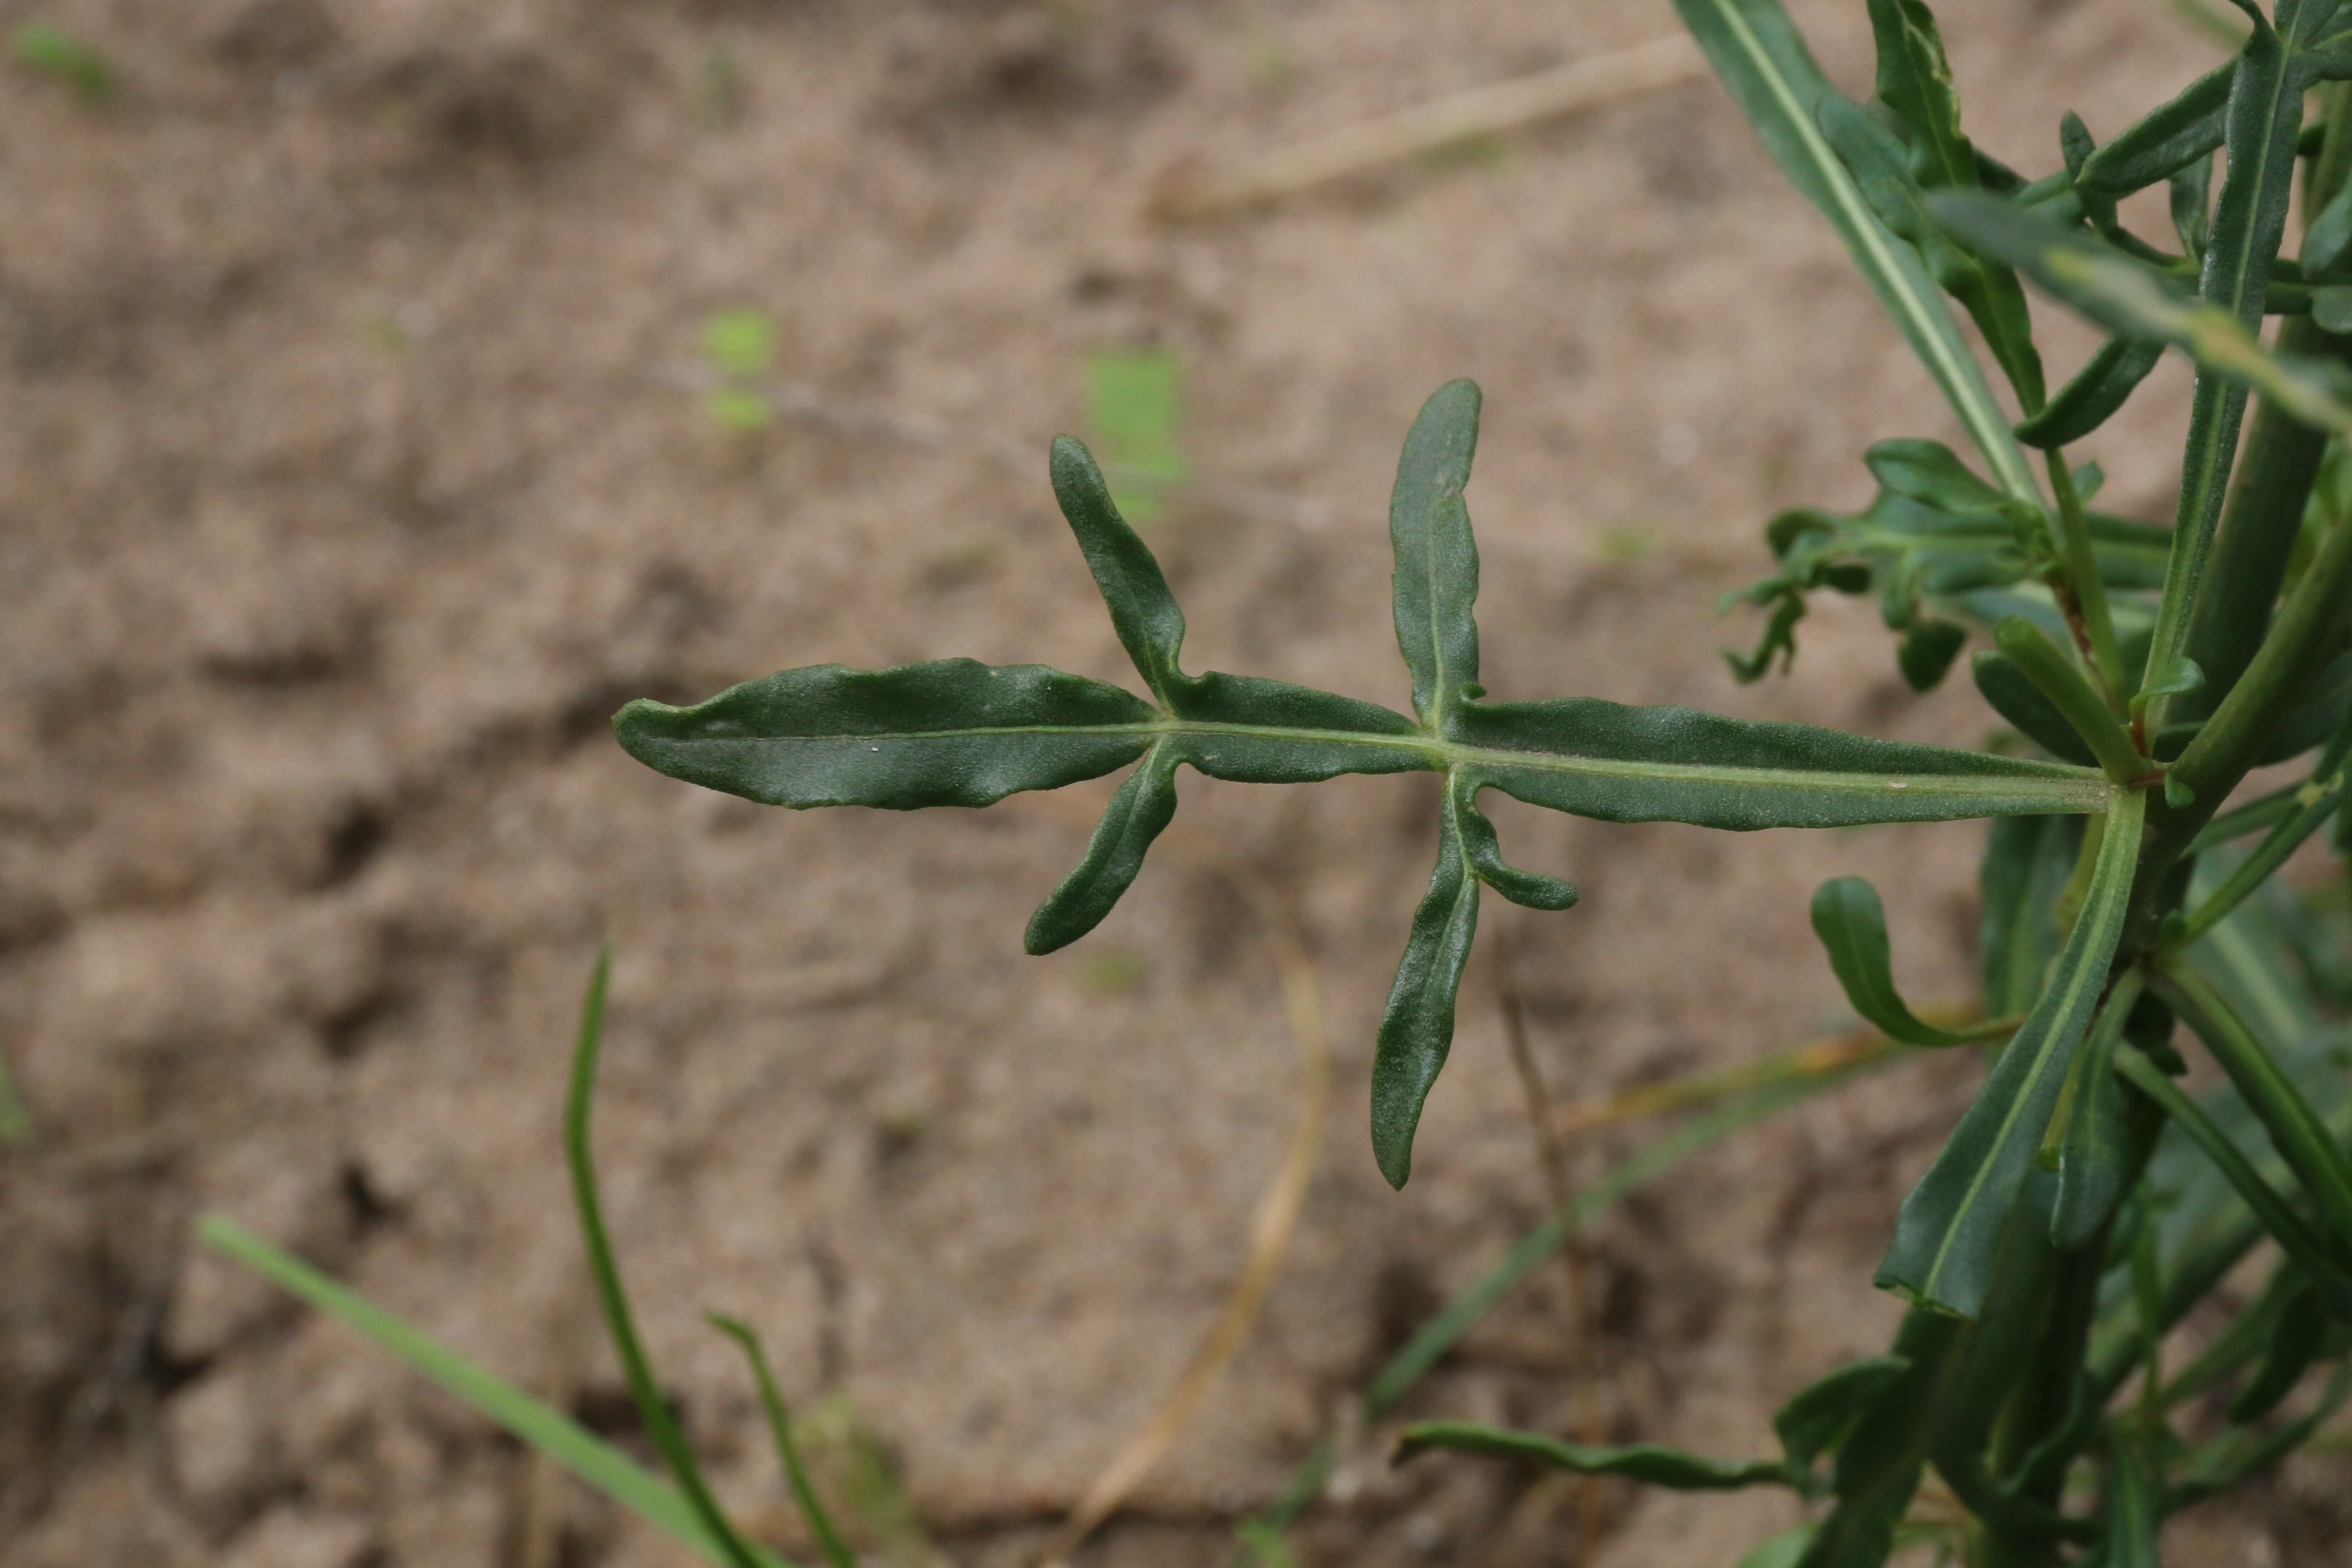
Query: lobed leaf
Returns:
{"type": "Point", "coordinates": [1142, 609]}
{"type": "Point", "coordinates": [1528, 889]}
{"type": "Point", "coordinates": [1948, 1226]}
{"type": "Point", "coordinates": [1880, 1463]}
{"type": "Point", "coordinates": [1852, 924]}
{"type": "Point", "coordinates": [2065, 689]}
{"type": "Point", "coordinates": [1652, 1464]}
{"type": "Point", "coordinates": [2014, 695]}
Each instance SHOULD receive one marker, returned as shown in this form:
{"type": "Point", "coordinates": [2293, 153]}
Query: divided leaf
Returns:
{"type": "Point", "coordinates": [1142, 610]}
{"type": "Point", "coordinates": [1826, 1411]}
{"type": "Point", "coordinates": [2165, 139]}
{"type": "Point", "coordinates": [1144, 805]}
{"type": "Point", "coordinates": [2097, 390]}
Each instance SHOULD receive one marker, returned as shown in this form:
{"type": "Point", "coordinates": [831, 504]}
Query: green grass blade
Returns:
{"type": "Point", "coordinates": [532, 1421]}
{"type": "Point", "coordinates": [2288, 1228]}
{"type": "Point", "coordinates": [788, 1452]}
{"type": "Point", "coordinates": [652, 1408]}
{"type": "Point", "coordinates": [1652, 1464]}
{"type": "Point", "coordinates": [1757, 51]}
{"type": "Point", "coordinates": [1951, 1223]}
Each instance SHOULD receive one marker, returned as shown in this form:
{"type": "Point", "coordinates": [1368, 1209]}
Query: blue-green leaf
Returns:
{"type": "Point", "coordinates": [2016, 699]}
{"type": "Point", "coordinates": [951, 733]}
{"type": "Point", "coordinates": [1144, 805]}
{"type": "Point", "coordinates": [1757, 51]}
{"type": "Point", "coordinates": [2025, 870]}
{"type": "Point", "coordinates": [1417, 1028]}
{"type": "Point", "coordinates": [1852, 924]}
{"type": "Point", "coordinates": [1944, 1235]}
{"type": "Point", "coordinates": [1436, 558]}
{"type": "Point", "coordinates": [1652, 1464]}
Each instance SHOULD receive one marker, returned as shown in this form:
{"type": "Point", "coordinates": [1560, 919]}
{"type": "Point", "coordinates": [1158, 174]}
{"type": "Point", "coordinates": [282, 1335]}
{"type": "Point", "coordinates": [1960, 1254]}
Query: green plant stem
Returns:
{"type": "Point", "coordinates": [2306, 634]}
{"type": "Point", "coordinates": [660, 1426]}
{"type": "Point", "coordinates": [2257, 867]}
{"type": "Point", "coordinates": [2059, 679]}
{"type": "Point", "coordinates": [2250, 818]}
{"type": "Point", "coordinates": [788, 1451]}
{"type": "Point", "coordinates": [2303, 1140]}
{"type": "Point", "coordinates": [2085, 589]}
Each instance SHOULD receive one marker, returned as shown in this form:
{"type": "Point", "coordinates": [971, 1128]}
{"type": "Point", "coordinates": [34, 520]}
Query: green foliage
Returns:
{"type": "Point", "coordinates": [52, 52]}
{"type": "Point", "coordinates": [740, 346]}
{"type": "Point", "coordinates": [1135, 402]}
{"type": "Point", "coordinates": [2087, 1203]}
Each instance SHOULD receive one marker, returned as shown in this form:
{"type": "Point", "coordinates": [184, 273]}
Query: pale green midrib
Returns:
{"type": "Point", "coordinates": [1445, 755]}
{"type": "Point", "coordinates": [2193, 532]}
{"type": "Point", "coordinates": [1985, 427]}
{"type": "Point", "coordinates": [2111, 884]}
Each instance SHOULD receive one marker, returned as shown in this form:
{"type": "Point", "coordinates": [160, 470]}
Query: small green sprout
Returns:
{"type": "Point", "coordinates": [57, 54]}
{"type": "Point", "coordinates": [740, 344]}
{"type": "Point", "coordinates": [1134, 400]}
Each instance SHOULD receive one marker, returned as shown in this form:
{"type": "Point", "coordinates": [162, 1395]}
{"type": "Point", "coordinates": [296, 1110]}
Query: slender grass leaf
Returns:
{"type": "Point", "coordinates": [1436, 558]}
{"type": "Point", "coordinates": [2297, 1338]}
{"type": "Point", "coordinates": [1852, 924]}
{"type": "Point", "coordinates": [2165, 139]}
{"type": "Point", "coordinates": [2134, 1500]}
{"type": "Point", "coordinates": [1652, 1464]}
{"type": "Point", "coordinates": [1757, 52]}
{"type": "Point", "coordinates": [2064, 687]}
{"type": "Point", "coordinates": [2310, 805]}
{"type": "Point", "coordinates": [2096, 392]}
{"type": "Point", "coordinates": [2270, 1212]}
{"type": "Point", "coordinates": [1416, 1030]}
{"type": "Point", "coordinates": [788, 1453]}
{"type": "Point", "coordinates": [2095, 1153]}
{"type": "Point", "coordinates": [530, 1421]}
{"type": "Point", "coordinates": [1479, 843]}
{"type": "Point", "coordinates": [604, 1266]}
{"type": "Point", "coordinates": [951, 733]}
{"type": "Point", "coordinates": [2014, 695]}
{"type": "Point", "coordinates": [1821, 1415]}
{"type": "Point", "coordinates": [1950, 1226]}
{"type": "Point", "coordinates": [2315, 1154]}
{"type": "Point", "coordinates": [1619, 764]}
{"type": "Point", "coordinates": [1144, 805]}
{"type": "Point", "coordinates": [1142, 610]}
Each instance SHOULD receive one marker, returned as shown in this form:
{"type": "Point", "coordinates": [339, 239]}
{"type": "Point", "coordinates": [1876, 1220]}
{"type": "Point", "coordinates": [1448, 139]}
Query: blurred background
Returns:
{"type": "Point", "coordinates": [390, 389]}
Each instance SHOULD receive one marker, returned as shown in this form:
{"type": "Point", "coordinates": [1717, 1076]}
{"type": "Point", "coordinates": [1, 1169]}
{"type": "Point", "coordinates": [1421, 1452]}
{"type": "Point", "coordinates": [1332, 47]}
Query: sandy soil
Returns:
{"type": "Point", "coordinates": [347, 485]}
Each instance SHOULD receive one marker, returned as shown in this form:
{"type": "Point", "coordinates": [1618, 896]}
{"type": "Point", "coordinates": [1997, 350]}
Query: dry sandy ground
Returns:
{"type": "Point", "coordinates": [346, 487]}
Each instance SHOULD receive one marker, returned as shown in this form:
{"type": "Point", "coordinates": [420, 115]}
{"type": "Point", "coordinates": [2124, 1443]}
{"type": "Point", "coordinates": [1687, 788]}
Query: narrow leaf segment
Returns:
{"type": "Point", "coordinates": [1946, 1234]}
{"type": "Point", "coordinates": [1651, 1463]}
